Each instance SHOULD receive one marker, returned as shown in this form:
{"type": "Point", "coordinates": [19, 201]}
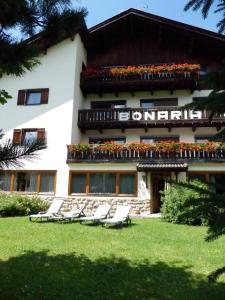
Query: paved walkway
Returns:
{"type": "Point", "coordinates": [157, 215]}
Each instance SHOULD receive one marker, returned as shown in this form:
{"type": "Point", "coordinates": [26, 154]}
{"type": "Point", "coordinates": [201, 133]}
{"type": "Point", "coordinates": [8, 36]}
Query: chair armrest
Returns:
{"type": "Point", "coordinates": [42, 212]}
{"type": "Point", "coordinates": [104, 216]}
{"type": "Point", "coordinates": [57, 214]}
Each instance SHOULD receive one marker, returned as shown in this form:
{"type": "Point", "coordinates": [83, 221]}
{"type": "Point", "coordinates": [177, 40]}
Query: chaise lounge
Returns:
{"type": "Point", "coordinates": [71, 215]}
{"type": "Point", "coordinates": [100, 213]}
{"type": "Point", "coordinates": [120, 217]}
{"type": "Point", "coordinates": [47, 215]}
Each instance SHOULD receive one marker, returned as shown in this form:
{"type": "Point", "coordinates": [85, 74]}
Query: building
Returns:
{"type": "Point", "coordinates": [105, 100]}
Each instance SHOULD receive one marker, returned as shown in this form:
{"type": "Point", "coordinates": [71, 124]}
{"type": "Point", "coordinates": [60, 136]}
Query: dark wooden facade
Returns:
{"type": "Point", "coordinates": [135, 38]}
{"type": "Point", "coordinates": [115, 84]}
{"type": "Point", "coordinates": [92, 119]}
{"type": "Point", "coordinates": [96, 156]}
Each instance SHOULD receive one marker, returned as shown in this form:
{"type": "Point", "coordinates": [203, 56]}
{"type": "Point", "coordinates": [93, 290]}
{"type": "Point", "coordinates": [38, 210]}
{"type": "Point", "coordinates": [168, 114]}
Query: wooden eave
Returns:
{"type": "Point", "coordinates": [157, 19]}
{"type": "Point", "coordinates": [124, 24]}
{"type": "Point", "coordinates": [38, 38]}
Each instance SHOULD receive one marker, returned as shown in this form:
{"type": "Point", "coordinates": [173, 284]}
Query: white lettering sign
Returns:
{"type": "Point", "coordinates": [163, 115]}
{"type": "Point", "coordinates": [195, 114]}
{"type": "Point", "coordinates": [176, 115]}
{"type": "Point", "coordinates": [137, 116]}
{"type": "Point", "coordinates": [124, 116]}
{"type": "Point", "coordinates": [160, 115]}
{"type": "Point", "coordinates": [149, 115]}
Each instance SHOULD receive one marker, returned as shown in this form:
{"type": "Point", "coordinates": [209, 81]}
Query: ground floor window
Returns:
{"type": "Point", "coordinates": [103, 183]}
{"type": "Point", "coordinates": [25, 182]}
{"type": "Point", "coordinates": [29, 182]}
{"type": "Point", "coordinates": [215, 180]}
{"type": "Point", "coordinates": [4, 182]}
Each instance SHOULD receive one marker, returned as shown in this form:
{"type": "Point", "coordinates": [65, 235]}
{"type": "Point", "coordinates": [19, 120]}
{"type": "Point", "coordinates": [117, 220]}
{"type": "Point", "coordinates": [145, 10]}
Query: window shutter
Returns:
{"type": "Point", "coordinates": [44, 96]}
{"type": "Point", "coordinates": [21, 97]}
{"type": "Point", "coordinates": [41, 134]}
{"type": "Point", "coordinates": [17, 135]}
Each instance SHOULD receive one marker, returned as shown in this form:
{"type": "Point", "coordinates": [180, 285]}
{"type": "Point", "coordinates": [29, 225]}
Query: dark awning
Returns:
{"type": "Point", "coordinates": [163, 167]}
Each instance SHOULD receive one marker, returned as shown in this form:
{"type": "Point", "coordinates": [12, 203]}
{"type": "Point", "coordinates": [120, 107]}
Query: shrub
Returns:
{"type": "Point", "coordinates": [18, 205]}
{"type": "Point", "coordinates": [174, 199]}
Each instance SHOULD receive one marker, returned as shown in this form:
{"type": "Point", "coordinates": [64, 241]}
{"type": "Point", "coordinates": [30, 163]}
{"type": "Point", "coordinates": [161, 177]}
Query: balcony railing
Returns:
{"type": "Point", "coordinates": [146, 118]}
{"type": "Point", "coordinates": [140, 78]}
{"type": "Point", "coordinates": [156, 153]}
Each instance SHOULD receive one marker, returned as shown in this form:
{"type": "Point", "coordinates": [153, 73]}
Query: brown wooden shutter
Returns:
{"type": "Point", "coordinates": [21, 97]}
{"type": "Point", "coordinates": [41, 134]}
{"type": "Point", "coordinates": [17, 136]}
{"type": "Point", "coordinates": [44, 96]}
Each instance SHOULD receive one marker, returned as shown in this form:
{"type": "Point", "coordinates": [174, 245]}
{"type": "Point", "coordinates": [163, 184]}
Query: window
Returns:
{"type": "Point", "coordinates": [5, 182]}
{"type": "Point", "coordinates": [103, 183]}
{"type": "Point", "coordinates": [28, 182]}
{"type": "Point", "coordinates": [108, 104]}
{"type": "Point", "coordinates": [158, 139]}
{"type": "Point", "coordinates": [33, 97]}
{"type": "Point", "coordinates": [29, 135]}
{"type": "Point", "coordinates": [153, 103]}
{"type": "Point", "coordinates": [25, 182]}
{"type": "Point", "coordinates": [199, 99]}
{"type": "Point", "coordinates": [215, 181]}
{"type": "Point", "coordinates": [200, 177]}
{"type": "Point", "coordinates": [127, 184]}
{"type": "Point", "coordinates": [47, 183]}
{"type": "Point", "coordinates": [119, 140]}
{"type": "Point", "coordinates": [204, 70]}
{"type": "Point", "coordinates": [203, 139]}
{"type": "Point", "coordinates": [147, 104]}
{"type": "Point", "coordinates": [78, 183]}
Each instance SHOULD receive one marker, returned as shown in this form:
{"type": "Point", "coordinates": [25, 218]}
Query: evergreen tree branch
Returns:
{"type": "Point", "coordinates": [11, 154]}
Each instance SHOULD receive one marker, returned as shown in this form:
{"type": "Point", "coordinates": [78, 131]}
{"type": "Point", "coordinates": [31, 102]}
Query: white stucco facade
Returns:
{"type": "Point", "coordinates": [59, 70]}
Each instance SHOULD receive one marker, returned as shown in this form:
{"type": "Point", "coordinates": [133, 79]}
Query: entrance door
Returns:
{"type": "Point", "coordinates": [158, 185]}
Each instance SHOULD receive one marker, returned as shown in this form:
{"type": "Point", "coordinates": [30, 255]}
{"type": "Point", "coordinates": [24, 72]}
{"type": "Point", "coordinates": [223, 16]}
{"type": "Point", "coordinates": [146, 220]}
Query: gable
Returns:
{"type": "Point", "coordinates": [135, 37]}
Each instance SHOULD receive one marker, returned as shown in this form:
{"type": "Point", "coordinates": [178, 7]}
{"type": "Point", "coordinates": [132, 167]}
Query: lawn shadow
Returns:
{"type": "Point", "coordinates": [109, 226]}
{"type": "Point", "coordinates": [39, 275]}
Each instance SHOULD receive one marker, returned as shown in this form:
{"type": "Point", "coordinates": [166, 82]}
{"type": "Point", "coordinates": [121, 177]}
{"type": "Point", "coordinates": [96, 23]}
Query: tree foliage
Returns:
{"type": "Point", "coordinates": [39, 24]}
{"type": "Point", "coordinates": [175, 198]}
{"type": "Point", "coordinates": [11, 154]}
{"type": "Point", "coordinates": [210, 206]}
{"type": "Point", "coordinates": [215, 80]}
{"type": "Point", "coordinates": [205, 6]}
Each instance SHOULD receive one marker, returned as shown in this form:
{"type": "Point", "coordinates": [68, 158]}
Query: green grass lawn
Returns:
{"type": "Point", "coordinates": [149, 260]}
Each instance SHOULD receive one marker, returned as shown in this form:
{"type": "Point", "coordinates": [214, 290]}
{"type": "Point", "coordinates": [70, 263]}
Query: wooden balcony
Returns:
{"type": "Point", "coordinates": [164, 117]}
{"type": "Point", "coordinates": [97, 154]}
{"type": "Point", "coordinates": [104, 82]}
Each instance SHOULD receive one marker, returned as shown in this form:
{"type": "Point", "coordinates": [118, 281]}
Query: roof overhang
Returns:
{"type": "Point", "coordinates": [157, 19]}
{"type": "Point", "coordinates": [162, 167]}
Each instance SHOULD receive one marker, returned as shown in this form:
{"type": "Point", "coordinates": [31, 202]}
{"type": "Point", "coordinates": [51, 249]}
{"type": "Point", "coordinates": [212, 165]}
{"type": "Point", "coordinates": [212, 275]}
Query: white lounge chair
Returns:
{"type": "Point", "coordinates": [100, 213]}
{"type": "Point", "coordinates": [53, 209]}
{"type": "Point", "coordinates": [120, 217]}
{"type": "Point", "coordinates": [71, 215]}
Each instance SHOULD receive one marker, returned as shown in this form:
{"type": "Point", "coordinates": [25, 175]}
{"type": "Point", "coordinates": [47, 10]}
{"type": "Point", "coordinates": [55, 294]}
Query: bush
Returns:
{"type": "Point", "coordinates": [174, 199]}
{"type": "Point", "coordinates": [18, 205]}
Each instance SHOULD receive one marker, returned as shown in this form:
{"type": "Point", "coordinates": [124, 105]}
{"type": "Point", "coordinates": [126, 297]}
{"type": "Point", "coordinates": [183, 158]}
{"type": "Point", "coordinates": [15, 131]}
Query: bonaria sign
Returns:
{"type": "Point", "coordinates": [160, 115]}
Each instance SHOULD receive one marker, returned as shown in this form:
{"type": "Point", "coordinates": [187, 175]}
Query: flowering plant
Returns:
{"type": "Point", "coordinates": [162, 146]}
{"type": "Point", "coordinates": [151, 69]}
{"type": "Point", "coordinates": [139, 147]}
{"type": "Point", "coordinates": [110, 147]}
{"type": "Point", "coordinates": [78, 148]}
